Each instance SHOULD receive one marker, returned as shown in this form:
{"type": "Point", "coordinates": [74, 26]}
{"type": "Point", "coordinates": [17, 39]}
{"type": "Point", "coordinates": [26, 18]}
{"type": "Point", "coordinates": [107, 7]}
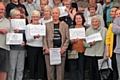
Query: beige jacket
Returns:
{"type": "Point", "coordinates": [48, 39]}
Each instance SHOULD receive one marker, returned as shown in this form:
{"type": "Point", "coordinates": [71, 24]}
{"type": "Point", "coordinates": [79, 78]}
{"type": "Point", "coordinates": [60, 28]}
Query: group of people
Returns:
{"type": "Point", "coordinates": [91, 15]}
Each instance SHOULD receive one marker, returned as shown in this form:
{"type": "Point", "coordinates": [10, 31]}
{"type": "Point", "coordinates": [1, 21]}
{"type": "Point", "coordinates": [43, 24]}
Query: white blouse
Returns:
{"type": "Point", "coordinates": [30, 39]}
{"type": "Point", "coordinates": [42, 21]}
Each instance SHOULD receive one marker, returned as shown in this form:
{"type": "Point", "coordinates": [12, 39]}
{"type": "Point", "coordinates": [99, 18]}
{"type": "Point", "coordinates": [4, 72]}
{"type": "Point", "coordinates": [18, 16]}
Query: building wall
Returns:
{"type": "Point", "coordinates": [5, 2]}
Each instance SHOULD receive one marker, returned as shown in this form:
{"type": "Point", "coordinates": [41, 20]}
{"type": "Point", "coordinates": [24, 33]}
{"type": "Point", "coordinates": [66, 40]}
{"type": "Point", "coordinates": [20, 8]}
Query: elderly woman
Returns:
{"type": "Point", "coordinates": [47, 15]}
{"type": "Point", "coordinates": [92, 7]}
{"type": "Point", "coordinates": [43, 3]}
{"type": "Point", "coordinates": [77, 65]}
{"type": "Point", "coordinates": [17, 52]}
{"type": "Point", "coordinates": [34, 50]}
{"type": "Point", "coordinates": [95, 49]}
{"type": "Point", "coordinates": [106, 12]}
{"type": "Point", "coordinates": [110, 45]}
{"type": "Point", "coordinates": [99, 10]}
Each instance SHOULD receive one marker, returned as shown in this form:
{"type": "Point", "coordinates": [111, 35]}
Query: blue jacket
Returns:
{"type": "Point", "coordinates": [109, 19]}
{"type": "Point", "coordinates": [18, 47]}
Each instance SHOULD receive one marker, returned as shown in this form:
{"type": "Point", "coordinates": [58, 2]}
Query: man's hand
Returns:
{"type": "Point", "coordinates": [4, 31]}
{"type": "Point", "coordinates": [47, 51]}
{"type": "Point", "coordinates": [62, 51]}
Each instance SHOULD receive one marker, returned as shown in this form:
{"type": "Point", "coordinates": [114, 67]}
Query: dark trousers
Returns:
{"type": "Point", "coordinates": [114, 72]}
{"type": "Point", "coordinates": [92, 63]}
{"type": "Point", "coordinates": [36, 62]}
{"type": "Point", "coordinates": [77, 67]}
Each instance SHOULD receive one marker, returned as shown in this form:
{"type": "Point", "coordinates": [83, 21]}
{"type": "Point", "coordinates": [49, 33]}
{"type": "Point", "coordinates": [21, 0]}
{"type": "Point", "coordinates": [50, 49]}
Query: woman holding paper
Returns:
{"type": "Point", "coordinates": [77, 66]}
{"type": "Point", "coordinates": [34, 49]}
{"type": "Point", "coordinates": [95, 49]}
{"type": "Point", "coordinates": [17, 52]}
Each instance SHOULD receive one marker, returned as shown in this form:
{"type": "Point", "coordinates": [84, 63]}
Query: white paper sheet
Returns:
{"type": "Point", "coordinates": [105, 64]}
{"type": "Point", "coordinates": [55, 56]}
{"type": "Point", "coordinates": [18, 24]}
{"type": "Point", "coordinates": [93, 37]}
{"type": "Point", "coordinates": [62, 11]}
{"type": "Point", "coordinates": [89, 21]}
{"type": "Point", "coordinates": [77, 33]}
{"type": "Point", "coordinates": [14, 38]}
{"type": "Point", "coordinates": [37, 29]}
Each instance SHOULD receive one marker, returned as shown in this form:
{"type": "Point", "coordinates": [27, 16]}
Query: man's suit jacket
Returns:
{"type": "Point", "coordinates": [48, 39]}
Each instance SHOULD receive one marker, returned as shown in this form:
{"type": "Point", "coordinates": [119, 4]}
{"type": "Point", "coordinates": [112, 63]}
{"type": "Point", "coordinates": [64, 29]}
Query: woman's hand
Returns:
{"type": "Point", "coordinates": [74, 40]}
{"type": "Point", "coordinates": [107, 54]}
{"type": "Point", "coordinates": [92, 43]}
{"type": "Point", "coordinates": [23, 43]}
{"type": "Point", "coordinates": [16, 30]}
{"type": "Point", "coordinates": [67, 10]}
{"type": "Point", "coordinates": [36, 36]}
{"type": "Point", "coordinates": [87, 25]}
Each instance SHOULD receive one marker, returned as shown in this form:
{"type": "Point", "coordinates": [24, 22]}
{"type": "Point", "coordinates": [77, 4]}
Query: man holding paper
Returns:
{"type": "Point", "coordinates": [96, 48]}
{"type": "Point", "coordinates": [57, 36]}
{"type": "Point", "coordinates": [4, 49]}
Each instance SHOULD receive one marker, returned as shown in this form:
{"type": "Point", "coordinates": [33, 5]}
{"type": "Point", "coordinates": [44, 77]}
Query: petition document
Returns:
{"type": "Point", "coordinates": [55, 56]}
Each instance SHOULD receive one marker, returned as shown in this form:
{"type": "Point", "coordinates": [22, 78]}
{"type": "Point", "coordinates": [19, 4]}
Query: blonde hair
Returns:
{"type": "Point", "coordinates": [14, 12]}
{"type": "Point", "coordinates": [47, 6]}
{"type": "Point", "coordinates": [67, 1]}
{"type": "Point", "coordinates": [36, 12]}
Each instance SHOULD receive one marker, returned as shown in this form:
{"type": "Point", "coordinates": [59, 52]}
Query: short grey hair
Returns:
{"type": "Point", "coordinates": [36, 12]}
{"type": "Point", "coordinates": [57, 9]}
{"type": "Point", "coordinates": [47, 7]}
{"type": "Point", "coordinates": [96, 18]}
{"type": "Point", "coordinates": [14, 12]}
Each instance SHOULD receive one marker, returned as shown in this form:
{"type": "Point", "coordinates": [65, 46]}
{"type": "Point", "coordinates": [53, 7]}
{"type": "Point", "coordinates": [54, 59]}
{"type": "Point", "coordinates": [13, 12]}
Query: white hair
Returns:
{"type": "Point", "coordinates": [96, 18]}
{"type": "Point", "coordinates": [36, 12]}
{"type": "Point", "coordinates": [48, 7]}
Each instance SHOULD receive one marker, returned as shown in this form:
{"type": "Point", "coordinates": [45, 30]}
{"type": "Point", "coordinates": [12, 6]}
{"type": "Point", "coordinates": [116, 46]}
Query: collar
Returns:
{"type": "Point", "coordinates": [2, 19]}
{"type": "Point", "coordinates": [97, 28]}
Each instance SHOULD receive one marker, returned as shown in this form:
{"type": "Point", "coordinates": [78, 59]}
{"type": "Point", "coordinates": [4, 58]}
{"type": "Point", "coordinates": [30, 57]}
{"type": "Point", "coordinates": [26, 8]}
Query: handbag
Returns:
{"type": "Point", "coordinates": [104, 73]}
{"type": "Point", "coordinates": [73, 54]}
